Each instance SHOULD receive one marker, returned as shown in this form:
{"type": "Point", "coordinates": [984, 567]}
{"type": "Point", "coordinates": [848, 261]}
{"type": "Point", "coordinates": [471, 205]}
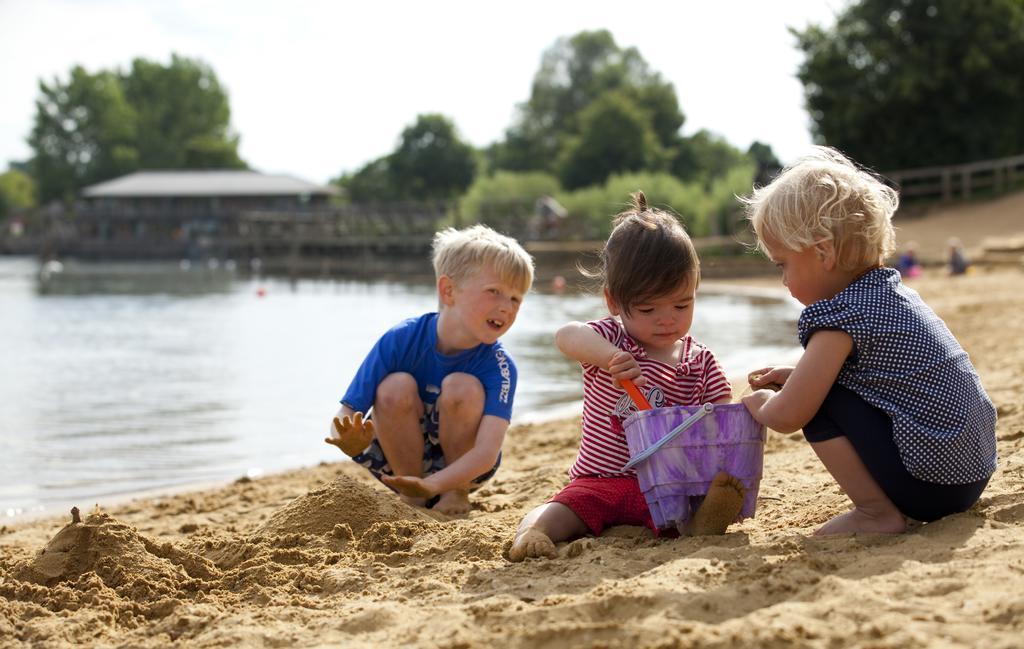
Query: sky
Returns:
{"type": "Point", "coordinates": [321, 88]}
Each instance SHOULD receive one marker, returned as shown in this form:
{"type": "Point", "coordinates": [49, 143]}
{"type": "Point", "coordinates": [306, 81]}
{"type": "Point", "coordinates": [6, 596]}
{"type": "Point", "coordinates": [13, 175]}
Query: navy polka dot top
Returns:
{"type": "Point", "coordinates": [906, 362]}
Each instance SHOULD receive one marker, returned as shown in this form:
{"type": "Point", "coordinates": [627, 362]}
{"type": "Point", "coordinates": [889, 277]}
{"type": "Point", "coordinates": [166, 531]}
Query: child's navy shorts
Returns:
{"type": "Point", "coordinates": [845, 414]}
{"type": "Point", "coordinates": [433, 456]}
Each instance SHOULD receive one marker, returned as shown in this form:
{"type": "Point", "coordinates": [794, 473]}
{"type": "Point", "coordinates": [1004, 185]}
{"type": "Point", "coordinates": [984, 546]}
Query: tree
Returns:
{"type": "Point", "coordinates": [574, 73]}
{"type": "Point", "coordinates": [17, 191]}
{"type": "Point", "coordinates": [918, 82]}
{"type": "Point", "coordinates": [183, 116]}
{"type": "Point", "coordinates": [84, 132]}
{"type": "Point", "coordinates": [615, 137]}
{"type": "Point", "coordinates": [768, 166]}
{"type": "Point", "coordinates": [704, 157]}
{"type": "Point", "coordinates": [431, 161]}
{"type": "Point", "coordinates": [94, 127]}
{"type": "Point", "coordinates": [372, 183]}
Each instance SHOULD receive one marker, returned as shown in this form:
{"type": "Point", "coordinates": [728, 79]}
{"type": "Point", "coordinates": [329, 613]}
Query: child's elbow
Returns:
{"type": "Point", "coordinates": [564, 335]}
{"type": "Point", "coordinates": [785, 427]}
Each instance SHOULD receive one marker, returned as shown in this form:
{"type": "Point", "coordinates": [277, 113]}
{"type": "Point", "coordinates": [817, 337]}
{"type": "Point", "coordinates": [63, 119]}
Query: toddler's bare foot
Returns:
{"type": "Point", "coordinates": [886, 521]}
{"type": "Point", "coordinates": [720, 508]}
{"type": "Point", "coordinates": [453, 503]}
{"type": "Point", "coordinates": [531, 542]}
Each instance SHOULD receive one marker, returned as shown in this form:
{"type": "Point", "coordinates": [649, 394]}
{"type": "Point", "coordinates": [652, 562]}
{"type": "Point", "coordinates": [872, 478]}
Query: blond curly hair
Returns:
{"type": "Point", "coordinates": [825, 196]}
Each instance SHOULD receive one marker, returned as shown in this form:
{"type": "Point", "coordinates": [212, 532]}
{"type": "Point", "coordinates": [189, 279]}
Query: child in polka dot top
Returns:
{"type": "Point", "coordinates": [650, 272]}
{"type": "Point", "coordinates": [885, 395]}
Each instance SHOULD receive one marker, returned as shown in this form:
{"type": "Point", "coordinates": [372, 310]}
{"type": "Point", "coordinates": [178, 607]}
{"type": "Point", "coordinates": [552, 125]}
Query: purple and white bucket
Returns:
{"type": "Point", "coordinates": [677, 476]}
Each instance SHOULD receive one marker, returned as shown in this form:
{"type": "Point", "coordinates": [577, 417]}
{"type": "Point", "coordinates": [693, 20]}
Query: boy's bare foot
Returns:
{"type": "Point", "coordinates": [531, 542]}
{"type": "Point", "coordinates": [720, 508]}
{"type": "Point", "coordinates": [453, 503]}
{"type": "Point", "coordinates": [861, 520]}
{"type": "Point", "coordinates": [412, 502]}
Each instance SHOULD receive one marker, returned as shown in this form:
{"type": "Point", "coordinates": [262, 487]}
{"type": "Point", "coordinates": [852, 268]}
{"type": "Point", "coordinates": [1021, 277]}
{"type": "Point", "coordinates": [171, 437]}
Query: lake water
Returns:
{"type": "Point", "coordinates": [123, 379]}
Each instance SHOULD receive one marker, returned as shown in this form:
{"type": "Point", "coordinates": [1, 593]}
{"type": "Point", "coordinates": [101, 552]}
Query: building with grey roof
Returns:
{"type": "Point", "coordinates": [165, 213]}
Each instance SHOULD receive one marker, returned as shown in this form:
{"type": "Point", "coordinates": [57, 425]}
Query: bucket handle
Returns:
{"type": "Point", "coordinates": [705, 409]}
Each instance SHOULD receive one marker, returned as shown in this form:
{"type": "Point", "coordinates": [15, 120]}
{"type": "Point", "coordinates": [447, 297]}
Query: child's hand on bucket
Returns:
{"type": "Point", "coordinates": [351, 434]}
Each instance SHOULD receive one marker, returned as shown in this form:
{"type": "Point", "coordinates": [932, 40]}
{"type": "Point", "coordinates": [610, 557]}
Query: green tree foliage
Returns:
{"type": "Point", "coordinates": [17, 191]}
{"type": "Point", "coordinates": [84, 132]}
{"type": "Point", "coordinates": [705, 156]}
{"type": "Point", "coordinates": [430, 162]}
{"type": "Point", "coordinates": [576, 72]}
{"type": "Point", "coordinates": [703, 209]}
{"type": "Point", "coordinates": [371, 183]}
{"type": "Point", "coordinates": [94, 127]}
{"type": "Point", "coordinates": [615, 136]}
{"type": "Point", "coordinates": [183, 116]}
{"type": "Point", "coordinates": [506, 190]}
{"type": "Point", "coordinates": [918, 82]}
{"type": "Point", "coordinates": [768, 166]}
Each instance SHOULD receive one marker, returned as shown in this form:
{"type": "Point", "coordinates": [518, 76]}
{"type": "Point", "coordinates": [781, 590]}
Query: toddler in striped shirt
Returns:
{"type": "Point", "coordinates": [650, 272]}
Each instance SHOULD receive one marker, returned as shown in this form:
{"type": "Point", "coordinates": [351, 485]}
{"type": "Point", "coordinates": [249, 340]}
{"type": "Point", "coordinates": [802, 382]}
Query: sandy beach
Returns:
{"type": "Point", "coordinates": [326, 557]}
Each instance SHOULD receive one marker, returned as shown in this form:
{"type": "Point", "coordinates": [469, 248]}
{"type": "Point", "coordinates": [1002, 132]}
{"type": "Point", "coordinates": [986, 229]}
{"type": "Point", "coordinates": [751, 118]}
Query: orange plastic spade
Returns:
{"type": "Point", "coordinates": [636, 395]}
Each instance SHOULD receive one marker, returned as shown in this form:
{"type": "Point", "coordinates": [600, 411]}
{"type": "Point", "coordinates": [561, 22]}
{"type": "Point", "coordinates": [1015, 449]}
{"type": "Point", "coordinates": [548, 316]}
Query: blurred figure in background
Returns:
{"type": "Point", "coordinates": [958, 262]}
{"type": "Point", "coordinates": [907, 263]}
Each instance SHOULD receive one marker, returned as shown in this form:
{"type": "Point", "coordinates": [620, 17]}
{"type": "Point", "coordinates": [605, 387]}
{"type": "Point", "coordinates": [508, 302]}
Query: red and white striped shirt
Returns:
{"type": "Point", "coordinates": [696, 378]}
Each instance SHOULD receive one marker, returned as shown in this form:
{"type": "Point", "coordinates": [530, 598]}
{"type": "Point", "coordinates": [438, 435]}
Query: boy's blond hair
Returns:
{"type": "Point", "coordinates": [825, 197]}
{"type": "Point", "coordinates": [461, 253]}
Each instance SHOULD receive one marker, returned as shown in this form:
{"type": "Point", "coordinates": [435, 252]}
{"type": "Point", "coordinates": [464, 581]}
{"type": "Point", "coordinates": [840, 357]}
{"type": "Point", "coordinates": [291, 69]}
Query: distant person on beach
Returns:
{"type": "Point", "coordinates": [441, 385]}
{"type": "Point", "coordinates": [547, 219]}
{"type": "Point", "coordinates": [907, 262]}
{"type": "Point", "coordinates": [885, 395]}
{"type": "Point", "coordinates": [958, 262]}
{"type": "Point", "coordinates": [650, 273]}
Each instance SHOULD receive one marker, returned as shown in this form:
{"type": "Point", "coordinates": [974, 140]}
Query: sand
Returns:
{"type": "Point", "coordinates": [326, 557]}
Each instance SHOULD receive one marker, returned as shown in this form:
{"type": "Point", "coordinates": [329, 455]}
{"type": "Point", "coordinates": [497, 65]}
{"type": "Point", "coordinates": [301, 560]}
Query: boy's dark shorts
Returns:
{"type": "Point", "coordinates": [433, 457]}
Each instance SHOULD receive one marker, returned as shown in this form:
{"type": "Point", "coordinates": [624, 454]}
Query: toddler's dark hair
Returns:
{"type": "Point", "coordinates": [647, 255]}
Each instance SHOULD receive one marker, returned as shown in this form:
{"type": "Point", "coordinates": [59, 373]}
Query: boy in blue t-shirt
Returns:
{"type": "Point", "coordinates": [441, 385]}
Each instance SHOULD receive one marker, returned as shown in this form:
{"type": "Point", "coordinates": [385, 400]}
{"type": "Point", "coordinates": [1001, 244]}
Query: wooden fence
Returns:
{"type": "Point", "coordinates": [959, 181]}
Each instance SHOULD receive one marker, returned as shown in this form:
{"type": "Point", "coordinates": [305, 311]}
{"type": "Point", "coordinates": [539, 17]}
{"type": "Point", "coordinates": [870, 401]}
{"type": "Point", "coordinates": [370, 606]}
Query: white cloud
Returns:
{"type": "Point", "coordinates": [321, 87]}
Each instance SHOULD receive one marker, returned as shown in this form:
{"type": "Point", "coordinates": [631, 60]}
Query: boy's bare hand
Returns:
{"type": "Point", "coordinates": [409, 486]}
{"type": "Point", "coordinates": [623, 366]}
{"type": "Point", "coordinates": [353, 434]}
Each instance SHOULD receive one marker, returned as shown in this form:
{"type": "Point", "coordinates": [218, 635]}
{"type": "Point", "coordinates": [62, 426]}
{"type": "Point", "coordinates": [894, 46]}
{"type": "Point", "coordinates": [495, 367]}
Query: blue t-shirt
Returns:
{"type": "Point", "coordinates": [906, 363]}
{"type": "Point", "coordinates": [411, 346]}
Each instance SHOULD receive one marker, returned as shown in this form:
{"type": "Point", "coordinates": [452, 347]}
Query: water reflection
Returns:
{"type": "Point", "coordinates": [124, 378]}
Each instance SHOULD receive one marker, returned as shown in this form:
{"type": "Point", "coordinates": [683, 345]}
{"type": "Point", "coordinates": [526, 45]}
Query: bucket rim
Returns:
{"type": "Point", "coordinates": [657, 412]}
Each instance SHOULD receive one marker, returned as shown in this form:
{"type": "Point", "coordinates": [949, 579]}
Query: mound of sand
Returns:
{"type": "Point", "coordinates": [345, 503]}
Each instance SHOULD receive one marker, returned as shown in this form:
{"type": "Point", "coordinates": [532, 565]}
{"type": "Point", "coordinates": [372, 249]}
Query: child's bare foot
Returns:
{"type": "Point", "coordinates": [720, 508]}
{"type": "Point", "coordinates": [412, 501]}
{"type": "Point", "coordinates": [886, 521]}
{"type": "Point", "coordinates": [453, 503]}
{"type": "Point", "coordinates": [531, 542]}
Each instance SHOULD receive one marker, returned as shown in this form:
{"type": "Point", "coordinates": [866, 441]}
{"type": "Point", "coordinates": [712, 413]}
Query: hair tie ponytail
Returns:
{"type": "Point", "coordinates": [639, 202]}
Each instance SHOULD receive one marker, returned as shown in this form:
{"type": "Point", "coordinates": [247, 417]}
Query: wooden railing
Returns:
{"type": "Point", "coordinates": [959, 181]}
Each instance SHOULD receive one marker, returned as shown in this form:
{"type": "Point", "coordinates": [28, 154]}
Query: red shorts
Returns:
{"type": "Point", "coordinates": [605, 502]}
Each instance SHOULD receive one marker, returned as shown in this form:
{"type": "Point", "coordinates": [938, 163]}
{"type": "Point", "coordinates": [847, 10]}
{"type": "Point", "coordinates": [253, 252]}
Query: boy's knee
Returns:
{"type": "Point", "coordinates": [461, 390]}
{"type": "Point", "coordinates": [397, 391]}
